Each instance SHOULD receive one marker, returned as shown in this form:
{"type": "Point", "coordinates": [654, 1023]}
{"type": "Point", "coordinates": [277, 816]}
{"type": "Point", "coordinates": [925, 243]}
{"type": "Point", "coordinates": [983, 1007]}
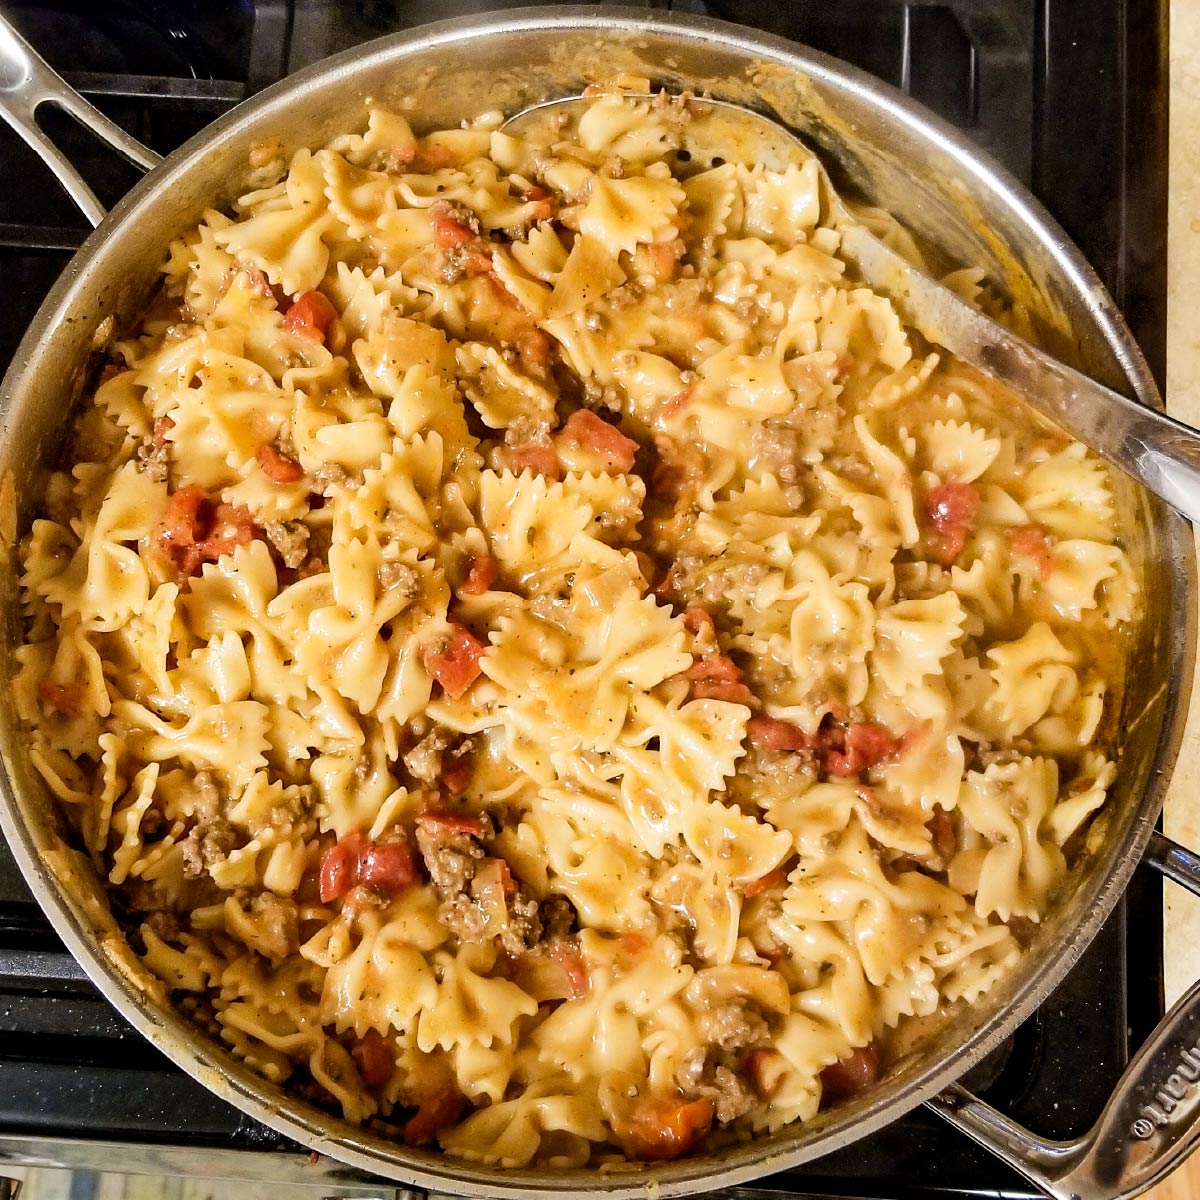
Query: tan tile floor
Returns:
{"type": "Point", "coordinates": [1182, 815]}
{"type": "Point", "coordinates": [66, 1185]}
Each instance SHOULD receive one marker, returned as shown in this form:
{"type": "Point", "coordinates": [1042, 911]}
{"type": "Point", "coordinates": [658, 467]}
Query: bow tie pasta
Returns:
{"type": "Point", "coordinates": [549, 664]}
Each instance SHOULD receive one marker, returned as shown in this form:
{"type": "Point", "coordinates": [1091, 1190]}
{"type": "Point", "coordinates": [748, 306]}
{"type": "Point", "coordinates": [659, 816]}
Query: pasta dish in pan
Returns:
{"type": "Point", "coordinates": [548, 664]}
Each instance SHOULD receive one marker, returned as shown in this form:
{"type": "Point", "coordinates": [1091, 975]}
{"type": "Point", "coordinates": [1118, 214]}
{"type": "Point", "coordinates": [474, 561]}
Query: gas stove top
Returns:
{"type": "Point", "coordinates": [1070, 97]}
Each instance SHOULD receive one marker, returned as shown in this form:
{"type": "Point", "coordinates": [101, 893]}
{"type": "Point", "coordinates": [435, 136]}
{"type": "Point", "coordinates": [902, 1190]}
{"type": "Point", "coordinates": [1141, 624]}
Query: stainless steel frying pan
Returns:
{"type": "Point", "coordinates": [966, 210]}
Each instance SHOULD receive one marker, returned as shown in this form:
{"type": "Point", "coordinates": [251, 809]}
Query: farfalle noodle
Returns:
{"type": "Point", "coordinates": [546, 661]}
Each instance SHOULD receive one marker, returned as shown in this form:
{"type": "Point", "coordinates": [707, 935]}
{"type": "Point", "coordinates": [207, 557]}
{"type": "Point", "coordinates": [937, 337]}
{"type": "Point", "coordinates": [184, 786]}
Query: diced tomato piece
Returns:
{"type": "Point", "coordinates": [833, 372]}
{"type": "Point", "coordinates": [481, 574]}
{"type": "Point", "coordinates": [607, 442]}
{"type": "Point", "coordinates": [541, 460]}
{"type": "Point", "coordinates": [773, 952]}
{"type": "Point", "coordinates": [232, 526]}
{"type": "Point", "coordinates": [856, 747]}
{"type": "Point", "coordinates": [339, 867]}
{"type": "Point", "coordinates": [449, 232]}
{"type": "Point", "coordinates": [696, 619]}
{"type": "Point", "coordinates": [950, 509]}
{"type": "Point", "coordinates": [67, 698]}
{"type": "Point", "coordinates": [448, 824]}
{"type": "Point", "coordinates": [718, 677]}
{"type": "Point", "coordinates": [871, 742]}
{"type": "Point", "coordinates": [533, 349]}
{"type": "Point", "coordinates": [260, 283]}
{"type": "Point", "coordinates": [633, 944]}
{"type": "Point", "coordinates": [765, 1068]}
{"type": "Point", "coordinates": [193, 531]}
{"type": "Point", "coordinates": [714, 667]}
{"type": "Point", "coordinates": [479, 262]}
{"type": "Point", "coordinates": [575, 968]}
{"type": "Point", "coordinates": [387, 867]}
{"type": "Point", "coordinates": [665, 1128]}
{"type": "Point", "coordinates": [454, 661]}
{"type": "Point", "coordinates": [457, 773]}
{"type": "Point", "coordinates": [310, 316]}
{"type": "Point", "coordinates": [277, 467]}
{"type": "Point", "coordinates": [374, 1058]}
{"type": "Point", "coordinates": [435, 1112]}
{"type": "Point", "coordinates": [1030, 542]}
{"type": "Point", "coordinates": [395, 157]}
{"type": "Point", "coordinates": [674, 405]}
{"type": "Point", "coordinates": [661, 258]}
{"type": "Point", "coordinates": [184, 521]}
{"type": "Point", "coordinates": [158, 436]}
{"type": "Point", "coordinates": [542, 210]}
{"type": "Point", "coordinates": [732, 693]}
{"type": "Point", "coordinates": [851, 1074]}
{"type": "Point", "coordinates": [508, 885]}
{"type": "Point", "coordinates": [353, 862]}
{"type": "Point", "coordinates": [538, 973]}
{"type": "Point", "coordinates": [765, 883]}
{"type": "Point", "coordinates": [434, 154]}
{"type": "Point", "coordinates": [511, 313]}
{"type": "Point", "coordinates": [770, 733]}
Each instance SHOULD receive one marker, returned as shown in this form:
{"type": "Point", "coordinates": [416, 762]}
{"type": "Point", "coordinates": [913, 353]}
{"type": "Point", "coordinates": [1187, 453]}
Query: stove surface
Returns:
{"type": "Point", "coordinates": [1071, 98]}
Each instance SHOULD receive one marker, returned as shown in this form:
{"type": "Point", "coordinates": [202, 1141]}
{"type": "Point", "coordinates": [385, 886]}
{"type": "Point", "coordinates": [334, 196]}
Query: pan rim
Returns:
{"type": "Point", "coordinates": [351, 1144]}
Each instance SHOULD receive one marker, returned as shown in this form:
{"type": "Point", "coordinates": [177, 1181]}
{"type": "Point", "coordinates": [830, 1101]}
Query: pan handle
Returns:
{"type": "Point", "coordinates": [27, 82]}
{"type": "Point", "coordinates": [1150, 1124]}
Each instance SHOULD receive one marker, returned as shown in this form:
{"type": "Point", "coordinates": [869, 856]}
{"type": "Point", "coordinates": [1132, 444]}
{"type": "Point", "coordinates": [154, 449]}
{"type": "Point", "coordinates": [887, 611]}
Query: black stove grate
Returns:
{"type": "Point", "coordinates": [1071, 98]}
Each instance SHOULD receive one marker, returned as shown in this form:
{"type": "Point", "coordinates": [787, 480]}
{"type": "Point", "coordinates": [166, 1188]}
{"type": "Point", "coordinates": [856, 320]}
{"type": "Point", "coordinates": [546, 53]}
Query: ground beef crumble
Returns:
{"type": "Point", "coordinates": [141, 896]}
{"type": "Point", "coordinates": [780, 451]}
{"type": "Point", "coordinates": [528, 430]}
{"type": "Point", "coordinates": [331, 475]}
{"type": "Point", "coordinates": [206, 845]}
{"type": "Point", "coordinates": [151, 460]}
{"type": "Point", "coordinates": [701, 1079]}
{"type": "Point", "coordinates": [211, 838]}
{"type": "Point", "coordinates": [424, 761]}
{"type": "Point", "coordinates": [711, 1072]}
{"type": "Point", "coordinates": [164, 924]}
{"type": "Point", "coordinates": [454, 862]}
{"type": "Point", "coordinates": [464, 916]}
{"type": "Point", "coordinates": [524, 928]}
{"type": "Point", "coordinates": [557, 915]}
{"type": "Point", "coordinates": [394, 576]}
{"type": "Point", "coordinates": [290, 539]}
{"type": "Point", "coordinates": [733, 1026]}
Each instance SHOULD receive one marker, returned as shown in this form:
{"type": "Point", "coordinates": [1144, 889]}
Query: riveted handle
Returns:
{"type": "Point", "coordinates": [1150, 1124]}
{"type": "Point", "coordinates": [26, 83]}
